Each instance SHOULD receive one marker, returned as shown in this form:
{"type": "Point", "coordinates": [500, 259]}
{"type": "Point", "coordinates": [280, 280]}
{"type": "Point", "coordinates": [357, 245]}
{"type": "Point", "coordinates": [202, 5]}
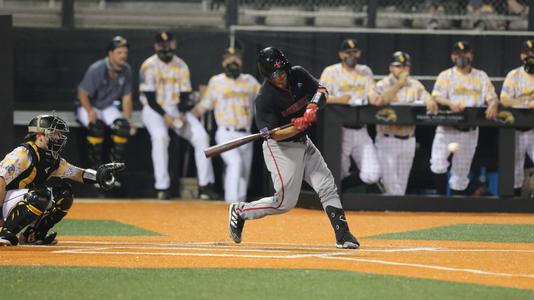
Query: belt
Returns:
{"type": "Point", "coordinates": [234, 129]}
{"type": "Point", "coordinates": [354, 126]}
{"type": "Point", "coordinates": [523, 129]}
{"type": "Point", "coordinates": [400, 137]}
{"type": "Point", "coordinates": [464, 129]}
{"type": "Point", "coordinates": [300, 139]}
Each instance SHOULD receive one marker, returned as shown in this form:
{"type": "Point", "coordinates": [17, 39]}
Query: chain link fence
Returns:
{"type": "Point", "coordinates": [417, 14]}
{"type": "Point", "coordinates": [429, 14]}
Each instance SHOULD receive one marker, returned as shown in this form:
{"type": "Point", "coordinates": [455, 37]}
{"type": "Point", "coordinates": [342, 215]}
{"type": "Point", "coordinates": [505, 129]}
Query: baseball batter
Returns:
{"type": "Point", "coordinates": [290, 94]}
{"type": "Point", "coordinates": [231, 95]}
{"type": "Point", "coordinates": [350, 83]}
{"type": "Point", "coordinates": [165, 85]}
{"type": "Point", "coordinates": [105, 82]}
{"type": "Point", "coordinates": [518, 91]}
{"type": "Point", "coordinates": [396, 143]}
{"type": "Point", "coordinates": [26, 198]}
{"type": "Point", "coordinates": [456, 88]}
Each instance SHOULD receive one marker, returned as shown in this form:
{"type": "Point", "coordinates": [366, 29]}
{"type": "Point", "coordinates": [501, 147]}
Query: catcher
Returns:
{"type": "Point", "coordinates": [26, 195]}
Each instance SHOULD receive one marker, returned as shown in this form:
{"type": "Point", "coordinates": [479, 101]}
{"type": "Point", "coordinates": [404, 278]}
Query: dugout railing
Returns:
{"type": "Point", "coordinates": [329, 138]}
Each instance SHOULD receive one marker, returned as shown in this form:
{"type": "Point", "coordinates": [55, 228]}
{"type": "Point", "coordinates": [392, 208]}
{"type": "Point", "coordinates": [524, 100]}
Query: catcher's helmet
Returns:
{"type": "Point", "coordinates": [271, 62]}
{"type": "Point", "coordinates": [52, 127]}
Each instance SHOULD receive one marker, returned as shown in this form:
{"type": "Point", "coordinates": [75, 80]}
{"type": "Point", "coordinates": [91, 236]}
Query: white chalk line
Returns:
{"type": "Point", "coordinates": [345, 255]}
{"type": "Point", "coordinates": [433, 267]}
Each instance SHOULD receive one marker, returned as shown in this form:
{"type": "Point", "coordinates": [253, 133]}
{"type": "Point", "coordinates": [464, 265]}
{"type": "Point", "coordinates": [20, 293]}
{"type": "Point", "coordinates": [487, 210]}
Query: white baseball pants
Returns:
{"type": "Point", "coordinates": [108, 115]}
{"type": "Point", "coordinates": [396, 159]}
{"type": "Point", "coordinates": [193, 131]}
{"type": "Point", "coordinates": [357, 144]}
{"type": "Point", "coordinates": [461, 159]}
{"type": "Point", "coordinates": [238, 162]}
{"type": "Point", "coordinates": [524, 144]}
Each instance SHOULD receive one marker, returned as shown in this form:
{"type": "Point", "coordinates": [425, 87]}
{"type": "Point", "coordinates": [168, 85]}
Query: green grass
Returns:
{"type": "Point", "coordinates": [112, 283]}
{"type": "Point", "coordinates": [100, 228]}
{"type": "Point", "coordinates": [505, 233]}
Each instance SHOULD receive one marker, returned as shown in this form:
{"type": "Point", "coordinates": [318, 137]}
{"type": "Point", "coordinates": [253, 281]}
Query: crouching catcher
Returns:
{"type": "Point", "coordinates": [27, 197]}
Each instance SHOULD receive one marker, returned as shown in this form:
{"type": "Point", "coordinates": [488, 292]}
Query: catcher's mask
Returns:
{"type": "Point", "coordinates": [54, 128]}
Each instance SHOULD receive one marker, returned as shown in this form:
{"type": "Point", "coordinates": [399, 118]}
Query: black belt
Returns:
{"type": "Point", "coordinates": [400, 137]}
{"type": "Point", "coordinates": [354, 126]}
{"type": "Point", "coordinates": [464, 128]}
{"type": "Point", "coordinates": [238, 130]}
{"type": "Point", "coordinates": [523, 129]}
{"type": "Point", "coordinates": [299, 139]}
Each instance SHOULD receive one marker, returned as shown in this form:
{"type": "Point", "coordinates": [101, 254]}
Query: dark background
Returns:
{"type": "Point", "coordinates": [49, 63]}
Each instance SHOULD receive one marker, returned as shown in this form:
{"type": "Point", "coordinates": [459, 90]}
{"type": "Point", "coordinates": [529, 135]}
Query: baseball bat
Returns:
{"type": "Point", "coordinates": [218, 149]}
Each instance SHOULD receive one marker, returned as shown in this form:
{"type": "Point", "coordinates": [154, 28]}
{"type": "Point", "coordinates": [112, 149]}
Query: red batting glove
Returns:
{"type": "Point", "coordinates": [310, 115]}
{"type": "Point", "coordinates": [300, 123]}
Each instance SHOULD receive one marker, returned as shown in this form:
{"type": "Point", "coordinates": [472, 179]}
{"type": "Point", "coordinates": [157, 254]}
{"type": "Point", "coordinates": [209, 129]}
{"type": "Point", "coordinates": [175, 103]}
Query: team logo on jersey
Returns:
{"type": "Point", "coordinates": [505, 117]}
{"type": "Point", "coordinates": [386, 115]}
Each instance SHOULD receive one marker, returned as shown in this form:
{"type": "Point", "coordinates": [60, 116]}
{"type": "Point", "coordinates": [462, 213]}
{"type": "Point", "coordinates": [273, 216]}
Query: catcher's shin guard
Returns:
{"type": "Point", "coordinates": [344, 239]}
{"type": "Point", "coordinates": [38, 232]}
{"type": "Point", "coordinates": [95, 139]}
{"type": "Point", "coordinates": [120, 132]}
{"type": "Point", "coordinates": [27, 210]}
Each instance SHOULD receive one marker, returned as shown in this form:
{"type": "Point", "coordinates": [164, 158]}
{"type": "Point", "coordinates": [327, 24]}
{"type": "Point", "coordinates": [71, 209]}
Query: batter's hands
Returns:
{"type": "Point", "coordinates": [300, 123]}
{"type": "Point", "coordinates": [310, 115]}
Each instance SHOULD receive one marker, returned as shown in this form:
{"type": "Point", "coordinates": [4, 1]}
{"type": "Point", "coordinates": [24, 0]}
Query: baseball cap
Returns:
{"type": "Point", "coordinates": [528, 45]}
{"type": "Point", "coordinates": [349, 45]}
{"type": "Point", "coordinates": [117, 42]}
{"type": "Point", "coordinates": [462, 46]}
{"type": "Point", "coordinates": [164, 37]}
{"type": "Point", "coordinates": [401, 59]}
{"type": "Point", "coordinates": [232, 51]}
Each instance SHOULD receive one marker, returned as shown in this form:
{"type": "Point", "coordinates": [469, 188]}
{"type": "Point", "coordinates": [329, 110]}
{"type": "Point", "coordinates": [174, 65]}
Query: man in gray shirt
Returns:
{"type": "Point", "coordinates": [106, 83]}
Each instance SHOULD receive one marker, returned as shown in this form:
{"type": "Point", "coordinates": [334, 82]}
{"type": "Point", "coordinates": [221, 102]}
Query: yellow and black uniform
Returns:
{"type": "Point", "coordinates": [25, 171]}
{"type": "Point", "coordinates": [40, 166]}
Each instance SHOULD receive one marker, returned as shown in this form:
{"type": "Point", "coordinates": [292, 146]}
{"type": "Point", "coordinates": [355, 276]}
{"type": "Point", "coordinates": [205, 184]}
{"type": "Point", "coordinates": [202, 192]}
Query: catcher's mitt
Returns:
{"type": "Point", "coordinates": [105, 174]}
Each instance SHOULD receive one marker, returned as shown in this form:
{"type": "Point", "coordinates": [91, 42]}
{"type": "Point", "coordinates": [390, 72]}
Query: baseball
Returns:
{"type": "Point", "coordinates": [453, 147]}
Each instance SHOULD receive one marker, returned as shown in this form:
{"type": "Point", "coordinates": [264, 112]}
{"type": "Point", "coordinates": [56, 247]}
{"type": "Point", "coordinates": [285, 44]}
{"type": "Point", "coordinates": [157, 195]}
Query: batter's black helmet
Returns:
{"type": "Point", "coordinates": [271, 61]}
{"type": "Point", "coordinates": [53, 127]}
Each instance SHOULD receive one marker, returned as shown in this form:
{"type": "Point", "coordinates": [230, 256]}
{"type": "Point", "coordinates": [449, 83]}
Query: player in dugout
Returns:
{"type": "Point", "coordinates": [28, 197]}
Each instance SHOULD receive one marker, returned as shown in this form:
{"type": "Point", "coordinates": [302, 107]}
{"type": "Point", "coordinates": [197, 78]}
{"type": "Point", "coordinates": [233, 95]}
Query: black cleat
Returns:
{"type": "Point", "coordinates": [347, 241]}
{"type": "Point", "coordinates": [235, 223]}
{"type": "Point", "coordinates": [8, 239]}
{"type": "Point", "coordinates": [208, 192]}
{"type": "Point", "coordinates": [32, 237]}
{"type": "Point", "coordinates": [164, 194]}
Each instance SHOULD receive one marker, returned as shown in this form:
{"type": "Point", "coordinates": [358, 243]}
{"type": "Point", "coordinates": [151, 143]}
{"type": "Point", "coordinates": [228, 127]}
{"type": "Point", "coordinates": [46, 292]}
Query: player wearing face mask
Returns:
{"type": "Point", "coordinates": [165, 87]}
{"type": "Point", "coordinates": [230, 95]}
{"type": "Point", "coordinates": [350, 83]}
{"type": "Point", "coordinates": [457, 88]}
{"type": "Point", "coordinates": [518, 91]}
